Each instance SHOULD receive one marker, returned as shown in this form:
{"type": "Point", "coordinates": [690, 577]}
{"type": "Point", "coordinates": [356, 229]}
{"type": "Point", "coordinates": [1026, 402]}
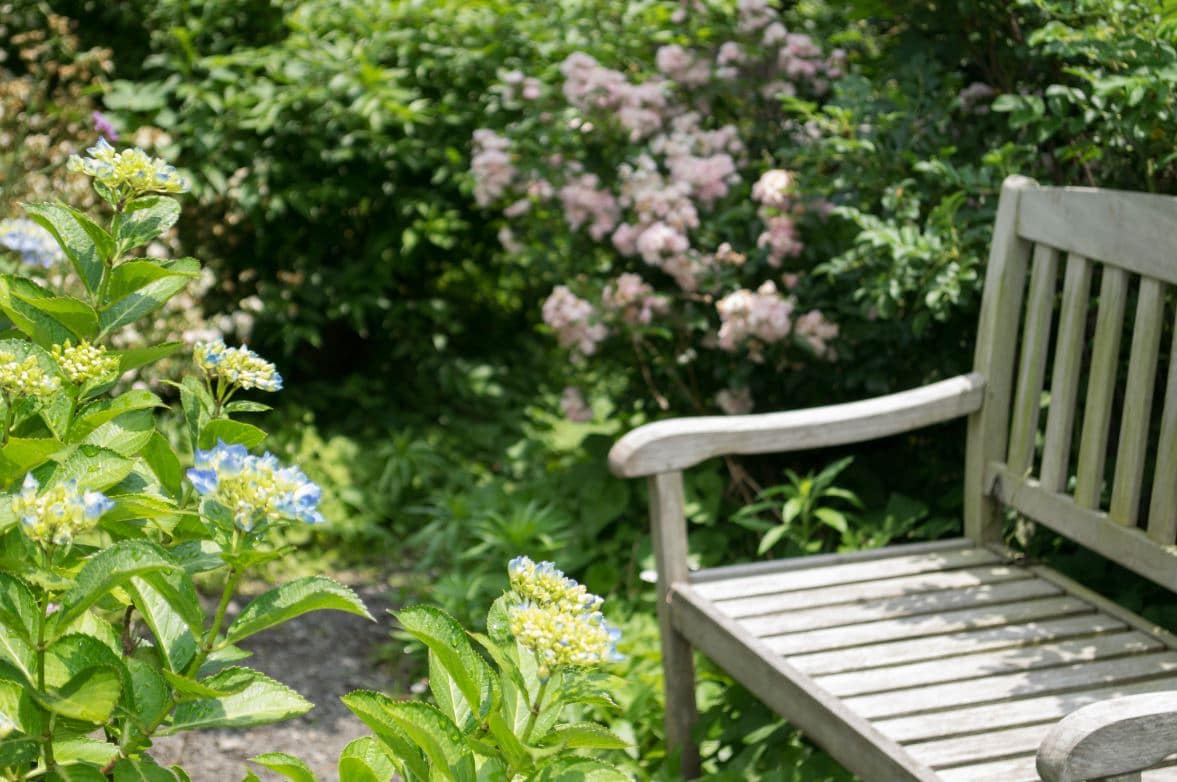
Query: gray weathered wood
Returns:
{"type": "Point", "coordinates": [979, 666]}
{"type": "Point", "coordinates": [1126, 546]}
{"type": "Point", "coordinates": [1162, 509]}
{"type": "Point", "coordinates": [976, 748]}
{"type": "Point", "coordinates": [1131, 230]}
{"type": "Point", "coordinates": [1101, 387]}
{"type": "Point", "coordinates": [846, 736]}
{"type": "Point", "coordinates": [680, 443]}
{"type": "Point", "coordinates": [1142, 371]}
{"type": "Point", "coordinates": [1064, 379]}
{"type": "Point", "coordinates": [669, 528]}
{"type": "Point", "coordinates": [1032, 365]}
{"type": "Point", "coordinates": [1110, 738]}
{"type": "Point", "coordinates": [845, 573]}
{"type": "Point", "coordinates": [993, 359]}
{"type": "Point", "coordinates": [937, 648]}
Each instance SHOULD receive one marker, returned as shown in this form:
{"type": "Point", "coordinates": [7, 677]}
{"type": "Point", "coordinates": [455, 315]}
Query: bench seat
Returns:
{"type": "Point", "coordinates": [943, 661]}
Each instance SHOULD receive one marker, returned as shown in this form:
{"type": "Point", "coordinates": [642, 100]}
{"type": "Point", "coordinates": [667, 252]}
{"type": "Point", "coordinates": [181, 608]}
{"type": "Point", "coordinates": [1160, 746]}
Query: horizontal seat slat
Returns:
{"type": "Point", "coordinates": [906, 606]}
{"type": "Point", "coordinates": [871, 590]}
{"type": "Point", "coordinates": [1024, 684]}
{"type": "Point", "coordinates": [978, 748]}
{"type": "Point", "coordinates": [954, 668]}
{"type": "Point", "coordinates": [863, 658]}
{"type": "Point", "coordinates": [873, 570]}
{"type": "Point", "coordinates": [1023, 770]}
{"type": "Point", "coordinates": [926, 625]}
{"type": "Point", "coordinates": [991, 716]}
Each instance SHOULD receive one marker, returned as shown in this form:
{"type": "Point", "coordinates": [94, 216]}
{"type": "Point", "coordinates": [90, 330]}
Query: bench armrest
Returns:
{"type": "Point", "coordinates": [1115, 737]}
{"type": "Point", "coordinates": [678, 443]}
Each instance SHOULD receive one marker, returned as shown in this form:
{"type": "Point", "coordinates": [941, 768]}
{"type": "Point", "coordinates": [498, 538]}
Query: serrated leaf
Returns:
{"type": "Point", "coordinates": [141, 770]}
{"type": "Point", "coordinates": [447, 695]}
{"type": "Point", "coordinates": [126, 435]}
{"type": "Point", "coordinates": [231, 433]}
{"type": "Point", "coordinates": [577, 769]}
{"type": "Point", "coordinates": [42, 329]}
{"type": "Point", "coordinates": [77, 772]}
{"type": "Point", "coordinates": [147, 299]}
{"type": "Point", "coordinates": [84, 749]}
{"type": "Point", "coordinates": [245, 406]}
{"type": "Point", "coordinates": [287, 765]}
{"type": "Point", "coordinates": [73, 314]}
{"type": "Point", "coordinates": [369, 707]}
{"type": "Point", "coordinates": [93, 467]}
{"type": "Point", "coordinates": [144, 219]}
{"type": "Point", "coordinates": [90, 696]}
{"type": "Point", "coordinates": [133, 358]}
{"type": "Point", "coordinates": [131, 276]}
{"type": "Point", "coordinates": [18, 751]}
{"type": "Point", "coordinates": [109, 568]}
{"type": "Point", "coordinates": [260, 702]}
{"type": "Point", "coordinates": [430, 730]}
{"type": "Point", "coordinates": [285, 602]}
{"type": "Point", "coordinates": [100, 412]}
{"type": "Point", "coordinates": [18, 608]}
{"type": "Point", "coordinates": [364, 760]}
{"type": "Point", "coordinates": [76, 241]}
{"type": "Point", "coordinates": [200, 689]}
{"type": "Point", "coordinates": [149, 698]}
{"type": "Point", "coordinates": [446, 638]}
{"type": "Point", "coordinates": [583, 735]}
{"type": "Point", "coordinates": [21, 454]}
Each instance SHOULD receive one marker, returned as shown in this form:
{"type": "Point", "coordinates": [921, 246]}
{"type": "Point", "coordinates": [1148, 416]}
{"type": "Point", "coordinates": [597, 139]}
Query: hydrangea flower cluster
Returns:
{"type": "Point", "coordinates": [254, 489]}
{"type": "Point", "coordinates": [573, 320]}
{"type": "Point", "coordinates": [84, 362]}
{"type": "Point", "coordinates": [558, 619]}
{"type": "Point", "coordinates": [60, 514]}
{"type": "Point", "coordinates": [26, 377]}
{"type": "Point", "coordinates": [754, 318]}
{"type": "Point", "coordinates": [237, 366]}
{"type": "Point", "coordinates": [130, 172]}
{"type": "Point", "coordinates": [35, 245]}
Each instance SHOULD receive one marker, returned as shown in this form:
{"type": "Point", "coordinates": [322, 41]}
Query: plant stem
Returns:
{"type": "Point", "coordinates": [42, 647]}
{"type": "Point", "coordinates": [535, 710]}
{"type": "Point", "coordinates": [218, 619]}
{"type": "Point", "coordinates": [9, 417]}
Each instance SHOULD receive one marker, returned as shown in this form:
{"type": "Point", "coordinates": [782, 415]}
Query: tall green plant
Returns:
{"type": "Point", "coordinates": [104, 643]}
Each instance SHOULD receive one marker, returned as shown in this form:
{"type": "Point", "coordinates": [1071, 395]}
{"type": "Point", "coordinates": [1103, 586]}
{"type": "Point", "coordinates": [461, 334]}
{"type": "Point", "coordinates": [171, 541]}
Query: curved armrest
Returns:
{"type": "Point", "coordinates": [668, 446]}
{"type": "Point", "coordinates": [1110, 738]}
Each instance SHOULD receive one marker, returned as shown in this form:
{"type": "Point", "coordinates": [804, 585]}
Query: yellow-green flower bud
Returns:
{"type": "Point", "coordinates": [132, 171]}
{"type": "Point", "coordinates": [59, 514]}
{"type": "Point", "coordinates": [84, 362]}
{"type": "Point", "coordinates": [25, 378]}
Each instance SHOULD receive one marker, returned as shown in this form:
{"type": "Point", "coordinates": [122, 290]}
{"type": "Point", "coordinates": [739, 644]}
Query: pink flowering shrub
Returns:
{"type": "Point", "coordinates": [650, 196]}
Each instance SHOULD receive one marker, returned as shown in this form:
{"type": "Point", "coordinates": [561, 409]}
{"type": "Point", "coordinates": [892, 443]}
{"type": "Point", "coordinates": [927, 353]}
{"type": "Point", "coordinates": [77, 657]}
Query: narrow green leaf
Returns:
{"type": "Point", "coordinates": [76, 241]}
{"type": "Point", "coordinates": [231, 433]}
{"type": "Point", "coordinates": [144, 219]}
{"type": "Point", "coordinates": [364, 760]}
{"type": "Point", "coordinates": [84, 750]}
{"type": "Point", "coordinates": [164, 463]}
{"type": "Point", "coordinates": [369, 707]}
{"type": "Point", "coordinates": [446, 638]}
{"type": "Point", "coordinates": [202, 690]}
{"type": "Point", "coordinates": [260, 702]}
{"type": "Point", "coordinates": [583, 735]}
{"type": "Point", "coordinates": [175, 642]}
{"type": "Point", "coordinates": [245, 406]}
{"type": "Point", "coordinates": [287, 765]}
{"type": "Point", "coordinates": [141, 770]}
{"type": "Point", "coordinates": [447, 695]}
{"type": "Point", "coordinates": [90, 696]}
{"type": "Point", "coordinates": [109, 568]}
{"type": "Point", "coordinates": [39, 327]}
{"type": "Point", "coordinates": [147, 299]}
{"type": "Point", "coordinates": [131, 276]}
{"type": "Point", "coordinates": [285, 602]}
{"type": "Point", "coordinates": [148, 698]}
{"type": "Point", "coordinates": [577, 769]}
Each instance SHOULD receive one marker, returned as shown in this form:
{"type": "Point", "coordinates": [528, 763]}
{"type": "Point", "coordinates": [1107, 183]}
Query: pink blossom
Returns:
{"type": "Point", "coordinates": [754, 319]}
{"type": "Point", "coordinates": [659, 241]}
{"type": "Point", "coordinates": [755, 15]}
{"type": "Point", "coordinates": [817, 331]}
{"type": "Point", "coordinates": [573, 320]}
{"type": "Point", "coordinates": [682, 66]}
{"type": "Point", "coordinates": [540, 189]}
{"type": "Point", "coordinates": [726, 255]}
{"type": "Point", "coordinates": [780, 239]}
{"type": "Point", "coordinates": [730, 53]}
{"type": "Point", "coordinates": [590, 86]}
{"type": "Point", "coordinates": [734, 401]}
{"type": "Point", "coordinates": [625, 239]}
{"type": "Point", "coordinates": [708, 177]}
{"type": "Point", "coordinates": [508, 241]}
{"type": "Point", "coordinates": [573, 406]}
{"type": "Point", "coordinates": [633, 300]}
{"type": "Point", "coordinates": [491, 166]}
{"type": "Point", "coordinates": [773, 188]}
{"type": "Point", "coordinates": [517, 209]}
{"type": "Point", "coordinates": [532, 89]}
{"type": "Point", "coordinates": [774, 34]}
{"type": "Point", "coordinates": [585, 202]}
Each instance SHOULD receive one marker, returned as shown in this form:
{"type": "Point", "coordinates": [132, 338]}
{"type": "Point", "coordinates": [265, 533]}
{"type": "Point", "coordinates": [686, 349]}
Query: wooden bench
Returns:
{"type": "Point", "coordinates": [954, 661]}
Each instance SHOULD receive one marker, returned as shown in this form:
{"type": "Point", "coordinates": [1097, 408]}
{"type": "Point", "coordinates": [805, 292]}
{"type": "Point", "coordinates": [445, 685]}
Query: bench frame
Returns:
{"type": "Point", "coordinates": [1035, 227]}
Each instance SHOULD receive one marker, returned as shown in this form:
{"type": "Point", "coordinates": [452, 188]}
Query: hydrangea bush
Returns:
{"type": "Point", "coordinates": [503, 698]}
{"type": "Point", "coordinates": [104, 643]}
{"type": "Point", "coordinates": [680, 232]}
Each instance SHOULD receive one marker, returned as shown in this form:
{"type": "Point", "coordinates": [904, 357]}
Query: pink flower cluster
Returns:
{"type": "Point", "coordinates": [573, 405]}
{"type": "Point", "coordinates": [754, 319]}
{"type": "Point", "coordinates": [682, 66]}
{"type": "Point", "coordinates": [584, 201]}
{"type": "Point", "coordinates": [588, 85]}
{"type": "Point", "coordinates": [774, 192]}
{"type": "Point", "coordinates": [529, 88]}
{"type": "Point", "coordinates": [633, 300]}
{"type": "Point", "coordinates": [574, 321]}
{"type": "Point", "coordinates": [491, 165]}
{"type": "Point", "coordinates": [817, 332]}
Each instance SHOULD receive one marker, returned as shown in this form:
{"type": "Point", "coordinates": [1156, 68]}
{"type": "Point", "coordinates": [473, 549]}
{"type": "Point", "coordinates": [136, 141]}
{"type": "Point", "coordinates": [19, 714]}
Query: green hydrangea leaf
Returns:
{"type": "Point", "coordinates": [260, 702]}
{"type": "Point", "coordinates": [577, 769]}
{"type": "Point", "coordinates": [84, 749]}
{"type": "Point", "coordinates": [18, 751]}
{"type": "Point", "coordinates": [41, 328]}
{"type": "Point", "coordinates": [126, 434]}
{"type": "Point", "coordinates": [287, 601]}
{"type": "Point", "coordinates": [21, 454]}
{"type": "Point", "coordinates": [164, 463]}
{"type": "Point", "coordinates": [133, 358]}
{"type": "Point", "coordinates": [231, 433]}
{"type": "Point", "coordinates": [141, 770]}
{"type": "Point", "coordinates": [370, 706]}
{"type": "Point", "coordinates": [425, 726]}
{"type": "Point", "coordinates": [73, 314]}
{"type": "Point", "coordinates": [84, 243]}
{"type": "Point", "coordinates": [144, 219]}
{"type": "Point", "coordinates": [149, 298]}
{"type": "Point", "coordinates": [131, 276]}
{"type": "Point", "coordinates": [93, 467]}
{"type": "Point", "coordinates": [109, 568]}
{"type": "Point", "coordinates": [200, 689]}
{"type": "Point", "coordinates": [18, 607]}
{"type": "Point", "coordinates": [101, 411]}
{"type": "Point", "coordinates": [583, 735]}
{"type": "Point", "coordinates": [287, 765]}
{"type": "Point", "coordinates": [365, 760]}
{"type": "Point", "coordinates": [90, 696]}
{"type": "Point", "coordinates": [447, 639]}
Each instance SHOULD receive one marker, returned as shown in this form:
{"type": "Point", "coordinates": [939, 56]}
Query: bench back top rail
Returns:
{"type": "Point", "coordinates": [1078, 430]}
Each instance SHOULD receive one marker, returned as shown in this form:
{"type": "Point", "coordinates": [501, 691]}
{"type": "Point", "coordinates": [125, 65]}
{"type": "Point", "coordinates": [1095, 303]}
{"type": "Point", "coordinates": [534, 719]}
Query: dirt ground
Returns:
{"type": "Point", "coordinates": [323, 655]}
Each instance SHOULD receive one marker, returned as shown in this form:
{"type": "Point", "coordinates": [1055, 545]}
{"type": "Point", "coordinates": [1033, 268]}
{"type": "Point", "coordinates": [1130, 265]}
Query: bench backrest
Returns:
{"type": "Point", "coordinates": [1077, 304]}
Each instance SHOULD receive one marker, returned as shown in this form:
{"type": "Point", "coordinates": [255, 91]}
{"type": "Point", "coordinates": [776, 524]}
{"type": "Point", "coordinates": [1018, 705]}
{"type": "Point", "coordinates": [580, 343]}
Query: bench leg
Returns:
{"type": "Point", "coordinates": [669, 529]}
{"type": "Point", "coordinates": [678, 670]}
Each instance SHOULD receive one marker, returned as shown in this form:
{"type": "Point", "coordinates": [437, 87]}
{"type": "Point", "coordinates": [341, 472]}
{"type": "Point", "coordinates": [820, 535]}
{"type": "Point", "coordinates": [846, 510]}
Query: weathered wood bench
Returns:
{"type": "Point", "coordinates": [953, 661]}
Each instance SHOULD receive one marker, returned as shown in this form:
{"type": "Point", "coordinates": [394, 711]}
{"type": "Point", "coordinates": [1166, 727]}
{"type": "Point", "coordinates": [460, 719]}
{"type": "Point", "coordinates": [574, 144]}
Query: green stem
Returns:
{"type": "Point", "coordinates": [210, 638]}
{"type": "Point", "coordinates": [42, 647]}
{"type": "Point", "coordinates": [9, 417]}
{"type": "Point", "coordinates": [535, 710]}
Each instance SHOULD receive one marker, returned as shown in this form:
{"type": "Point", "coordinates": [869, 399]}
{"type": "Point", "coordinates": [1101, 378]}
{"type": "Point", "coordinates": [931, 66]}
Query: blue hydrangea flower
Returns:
{"type": "Point", "coordinates": [60, 513]}
{"type": "Point", "coordinates": [35, 245]}
{"type": "Point", "coordinates": [255, 488]}
{"type": "Point", "coordinates": [238, 366]}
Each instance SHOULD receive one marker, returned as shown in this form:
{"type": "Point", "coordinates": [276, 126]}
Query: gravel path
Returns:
{"type": "Point", "coordinates": [323, 655]}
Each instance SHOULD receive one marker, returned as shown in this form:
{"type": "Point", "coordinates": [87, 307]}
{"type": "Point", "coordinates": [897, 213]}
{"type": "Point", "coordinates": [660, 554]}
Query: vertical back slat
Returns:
{"type": "Point", "coordinates": [1142, 373]}
{"type": "Point", "coordinates": [1032, 369]}
{"type": "Point", "coordinates": [997, 332]}
{"type": "Point", "coordinates": [1101, 387]}
{"type": "Point", "coordinates": [1064, 380]}
{"type": "Point", "coordinates": [1162, 509]}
